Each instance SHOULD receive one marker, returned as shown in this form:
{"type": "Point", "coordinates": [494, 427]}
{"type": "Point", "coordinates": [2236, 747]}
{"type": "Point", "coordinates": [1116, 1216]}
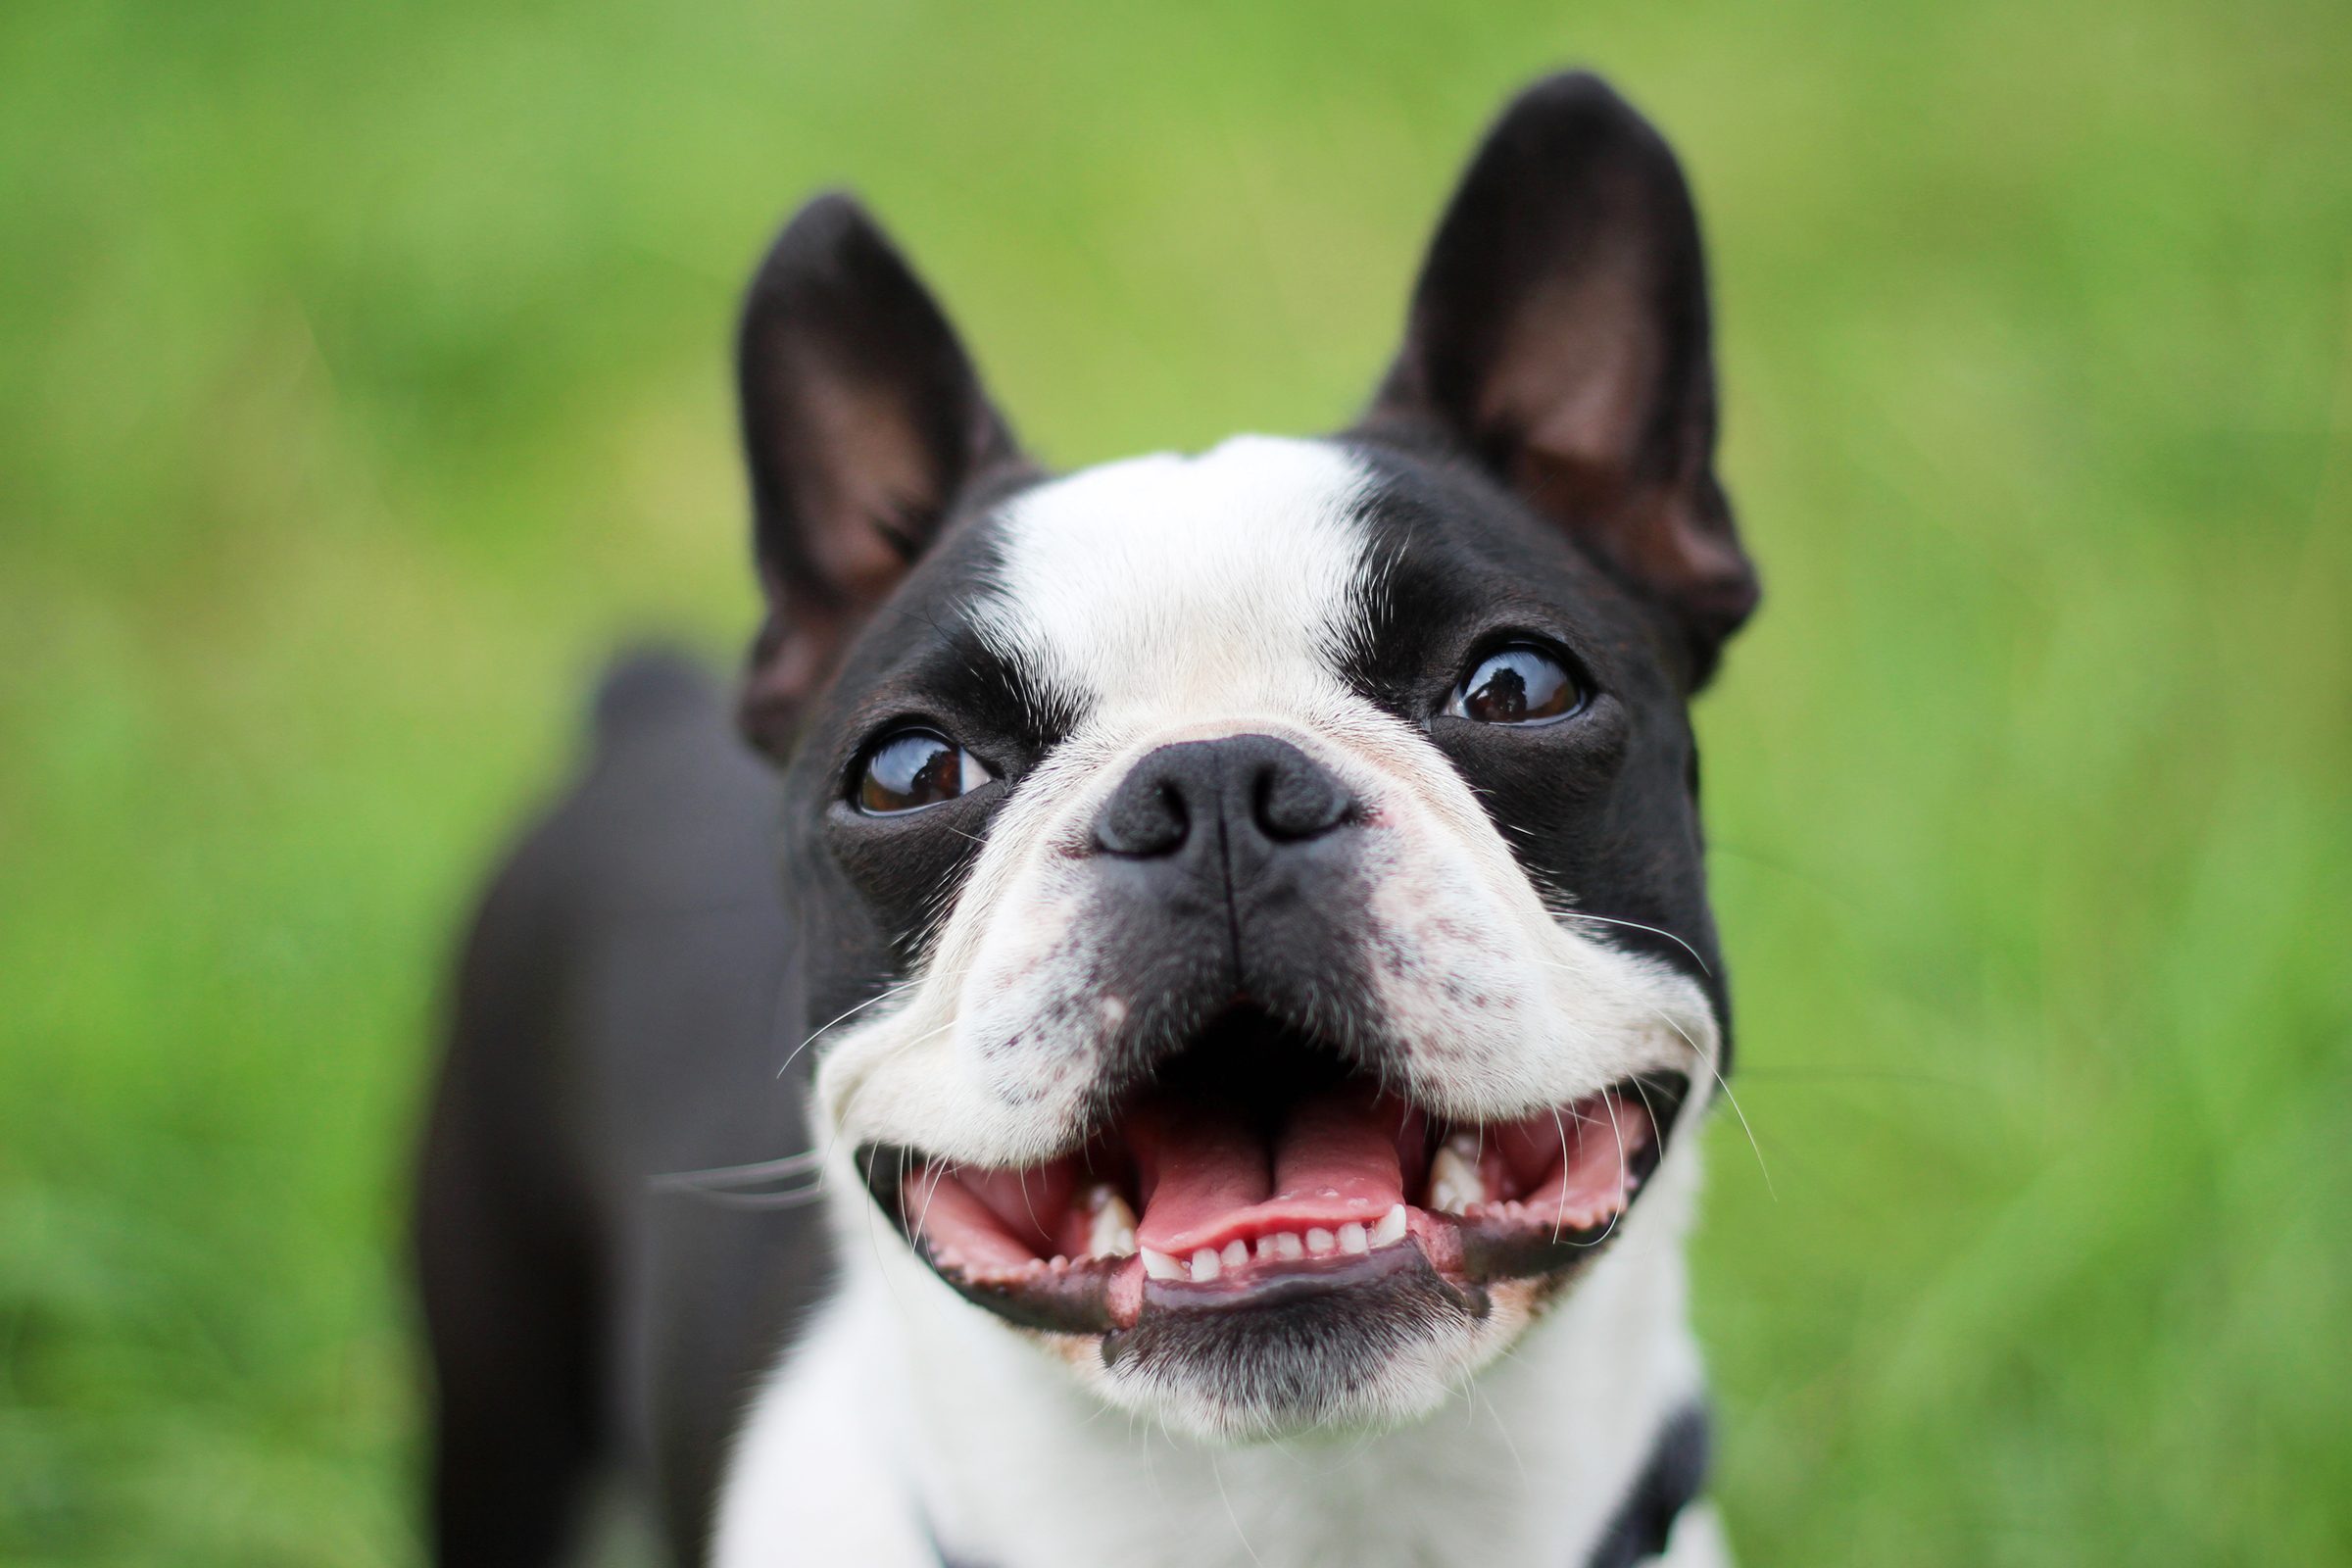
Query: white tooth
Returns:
{"type": "Point", "coordinates": [1320, 1241]}
{"type": "Point", "coordinates": [1161, 1266]}
{"type": "Point", "coordinates": [1390, 1228]}
{"type": "Point", "coordinates": [1236, 1253]}
{"type": "Point", "coordinates": [1285, 1245]}
{"type": "Point", "coordinates": [1112, 1231]}
{"type": "Point", "coordinates": [1352, 1238]}
{"type": "Point", "coordinates": [1205, 1266]}
{"type": "Point", "coordinates": [1453, 1181]}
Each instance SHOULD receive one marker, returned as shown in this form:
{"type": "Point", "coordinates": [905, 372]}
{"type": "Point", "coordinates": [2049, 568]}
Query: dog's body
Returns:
{"type": "Point", "coordinates": [1244, 919]}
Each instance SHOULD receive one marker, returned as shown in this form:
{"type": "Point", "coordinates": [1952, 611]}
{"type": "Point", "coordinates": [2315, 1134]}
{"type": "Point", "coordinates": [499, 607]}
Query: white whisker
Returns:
{"type": "Point", "coordinates": [1733, 1100]}
{"type": "Point", "coordinates": [1636, 925]}
{"type": "Point", "coordinates": [883, 994]}
{"type": "Point", "coordinates": [1218, 1471]}
{"type": "Point", "coordinates": [719, 1176]}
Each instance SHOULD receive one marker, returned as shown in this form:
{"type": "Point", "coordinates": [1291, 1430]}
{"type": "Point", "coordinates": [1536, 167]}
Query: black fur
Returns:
{"type": "Point", "coordinates": [1673, 1478]}
{"type": "Point", "coordinates": [622, 1012]}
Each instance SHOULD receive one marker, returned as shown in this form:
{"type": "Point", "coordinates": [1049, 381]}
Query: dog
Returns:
{"type": "Point", "coordinates": [1215, 1080]}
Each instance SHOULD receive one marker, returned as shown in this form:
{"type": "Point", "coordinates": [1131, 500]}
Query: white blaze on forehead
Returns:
{"type": "Point", "coordinates": [1226, 581]}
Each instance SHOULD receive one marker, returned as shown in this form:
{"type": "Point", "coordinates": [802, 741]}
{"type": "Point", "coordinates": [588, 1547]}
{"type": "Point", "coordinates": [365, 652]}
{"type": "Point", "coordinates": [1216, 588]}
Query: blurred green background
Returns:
{"type": "Point", "coordinates": [361, 383]}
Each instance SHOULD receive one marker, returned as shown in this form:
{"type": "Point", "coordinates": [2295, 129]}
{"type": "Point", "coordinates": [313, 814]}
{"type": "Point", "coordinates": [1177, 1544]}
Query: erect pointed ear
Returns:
{"type": "Point", "coordinates": [1558, 334]}
{"type": "Point", "coordinates": [862, 422]}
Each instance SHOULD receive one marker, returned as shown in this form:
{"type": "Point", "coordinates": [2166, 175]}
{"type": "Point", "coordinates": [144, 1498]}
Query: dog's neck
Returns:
{"type": "Point", "coordinates": [934, 1435]}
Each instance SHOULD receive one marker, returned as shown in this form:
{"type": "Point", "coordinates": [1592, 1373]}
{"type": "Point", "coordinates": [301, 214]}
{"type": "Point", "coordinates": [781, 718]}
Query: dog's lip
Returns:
{"type": "Point", "coordinates": [1467, 1251]}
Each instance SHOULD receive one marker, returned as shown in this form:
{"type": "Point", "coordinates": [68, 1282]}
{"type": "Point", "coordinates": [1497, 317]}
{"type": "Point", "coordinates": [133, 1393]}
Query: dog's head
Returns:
{"type": "Point", "coordinates": [1254, 901]}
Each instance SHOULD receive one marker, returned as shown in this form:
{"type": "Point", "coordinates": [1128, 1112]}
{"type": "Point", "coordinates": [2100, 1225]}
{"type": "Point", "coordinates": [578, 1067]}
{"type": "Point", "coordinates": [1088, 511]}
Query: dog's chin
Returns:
{"type": "Point", "coordinates": [1376, 1343]}
{"type": "Point", "coordinates": [1262, 1243]}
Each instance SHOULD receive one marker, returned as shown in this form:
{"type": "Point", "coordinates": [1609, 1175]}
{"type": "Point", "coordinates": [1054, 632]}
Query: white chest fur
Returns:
{"type": "Point", "coordinates": [907, 1412]}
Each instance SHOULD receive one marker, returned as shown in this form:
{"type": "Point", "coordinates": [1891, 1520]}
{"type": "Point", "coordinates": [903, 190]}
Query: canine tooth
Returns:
{"type": "Point", "coordinates": [1112, 1231]}
{"type": "Point", "coordinates": [1206, 1266]}
{"type": "Point", "coordinates": [1390, 1228]}
{"type": "Point", "coordinates": [1284, 1246]}
{"type": "Point", "coordinates": [1161, 1266]}
{"type": "Point", "coordinates": [1236, 1253]}
{"type": "Point", "coordinates": [1320, 1241]}
{"type": "Point", "coordinates": [1453, 1181]}
{"type": "Point", "coordinates": [1354, 1238]}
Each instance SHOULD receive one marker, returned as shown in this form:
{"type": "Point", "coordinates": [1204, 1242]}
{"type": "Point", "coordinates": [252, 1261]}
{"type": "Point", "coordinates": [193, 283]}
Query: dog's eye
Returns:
{"type": "Point", "coordinates": [915, 768]}
{"type": "Point", "coordinates": [1521, 684]}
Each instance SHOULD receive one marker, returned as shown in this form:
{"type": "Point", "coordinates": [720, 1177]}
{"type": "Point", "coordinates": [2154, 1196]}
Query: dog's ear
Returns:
{"type": "Point", "coordinates": [862, 422]}
{"type": "Point", "coordinates": [1559, 334]}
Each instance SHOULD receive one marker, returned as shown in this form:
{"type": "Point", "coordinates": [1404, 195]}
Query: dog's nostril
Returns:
{"type": "Point", "coordinates": [1297, 801]}
{"type": "Point", "coordinates": [1152, 821]}
{"type": "Point", "coordinates": [1172, 823]}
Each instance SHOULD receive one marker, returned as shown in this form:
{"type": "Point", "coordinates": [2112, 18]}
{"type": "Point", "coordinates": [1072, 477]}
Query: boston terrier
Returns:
{"type": "Point", "coordinates": [1215, 1080]}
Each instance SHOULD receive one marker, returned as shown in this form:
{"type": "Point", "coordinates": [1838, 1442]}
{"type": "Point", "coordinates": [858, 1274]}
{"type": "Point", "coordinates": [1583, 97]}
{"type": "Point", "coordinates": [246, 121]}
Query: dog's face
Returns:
{"type": "Point", "coordinates": [1255, 898]}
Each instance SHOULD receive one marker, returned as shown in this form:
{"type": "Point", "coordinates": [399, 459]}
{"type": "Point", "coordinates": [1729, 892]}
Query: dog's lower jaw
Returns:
{"type": "Point", "coordinates": [912, 1424]}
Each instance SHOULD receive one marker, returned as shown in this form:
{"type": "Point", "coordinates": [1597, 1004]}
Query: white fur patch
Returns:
{"type": "Point", "coordinates": [1220, 583]}
{"type": "Point", "coordinates": [816, 1475]}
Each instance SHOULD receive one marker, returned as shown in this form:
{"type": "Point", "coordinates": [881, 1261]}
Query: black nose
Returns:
{"type": "Point", "coordinates": [1254, 788]}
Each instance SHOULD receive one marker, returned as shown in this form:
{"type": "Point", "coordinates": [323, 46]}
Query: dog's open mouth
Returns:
{"type": "Point", "coordinates": [1260, 1168]}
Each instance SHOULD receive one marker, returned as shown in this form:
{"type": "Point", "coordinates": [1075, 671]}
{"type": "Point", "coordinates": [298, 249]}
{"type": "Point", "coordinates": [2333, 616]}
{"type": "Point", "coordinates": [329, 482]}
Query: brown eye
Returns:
{"type": "Point", "coordinates": [1517, 685]}
{"type": "Point", "coordinates": [916, 768]}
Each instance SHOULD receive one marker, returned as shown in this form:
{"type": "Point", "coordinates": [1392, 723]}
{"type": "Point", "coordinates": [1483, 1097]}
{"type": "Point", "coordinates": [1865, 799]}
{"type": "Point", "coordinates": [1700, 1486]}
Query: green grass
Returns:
{"type": "Point", "coordinates": [361, 381]}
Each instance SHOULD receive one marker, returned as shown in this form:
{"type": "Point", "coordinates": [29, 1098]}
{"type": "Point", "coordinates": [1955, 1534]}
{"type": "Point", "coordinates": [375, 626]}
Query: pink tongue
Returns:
{"type": "Point", "coordinates": [1208, 1178]}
